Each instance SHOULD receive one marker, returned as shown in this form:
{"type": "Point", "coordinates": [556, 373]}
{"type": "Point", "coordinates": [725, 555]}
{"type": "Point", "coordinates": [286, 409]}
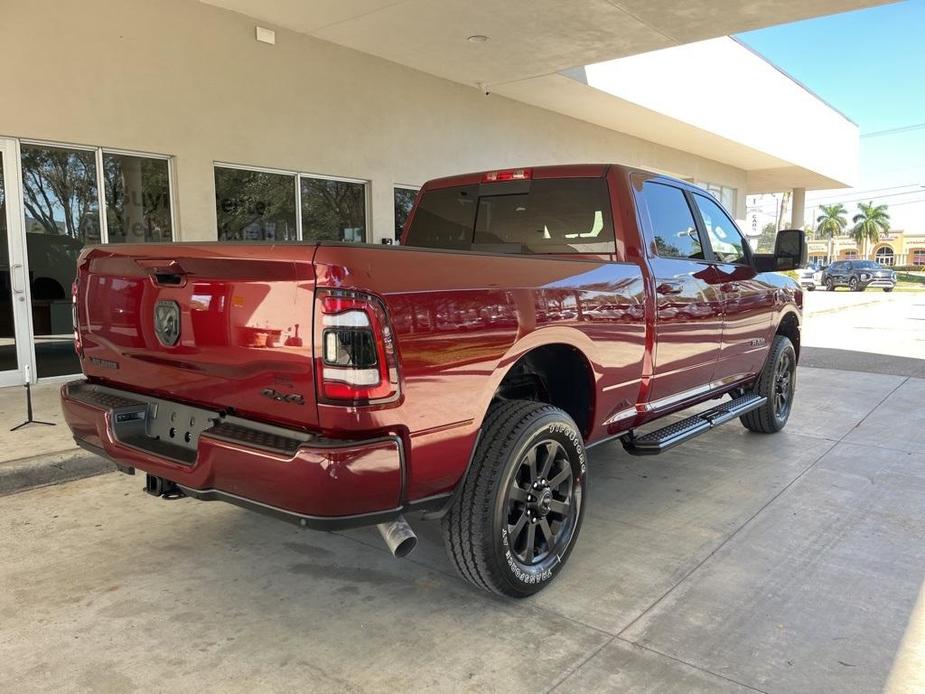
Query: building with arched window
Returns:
{"type": "Point", "coordinates": [896, 249]}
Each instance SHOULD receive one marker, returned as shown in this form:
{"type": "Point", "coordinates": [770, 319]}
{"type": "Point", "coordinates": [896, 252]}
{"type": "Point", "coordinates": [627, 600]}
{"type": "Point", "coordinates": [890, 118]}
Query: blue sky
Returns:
{"type": "Point", "coordinates": [870, 65]}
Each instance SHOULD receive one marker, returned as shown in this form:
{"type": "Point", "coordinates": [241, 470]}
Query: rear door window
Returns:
{"type": "Point", "coordinates": [670, 228]}
{"type": "Point", "coordinates": [554, 216]}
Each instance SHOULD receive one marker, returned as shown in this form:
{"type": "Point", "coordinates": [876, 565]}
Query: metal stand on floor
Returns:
{"type": "Point", "coordinates": [29, 419]}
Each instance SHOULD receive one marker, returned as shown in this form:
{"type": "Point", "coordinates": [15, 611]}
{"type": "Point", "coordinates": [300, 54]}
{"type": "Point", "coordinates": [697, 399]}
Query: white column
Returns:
{"type": "Point", "coordinates": [797, 208]}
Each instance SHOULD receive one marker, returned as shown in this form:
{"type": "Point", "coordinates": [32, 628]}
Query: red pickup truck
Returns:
{"type": "Point", "coordinates": [527, 315]}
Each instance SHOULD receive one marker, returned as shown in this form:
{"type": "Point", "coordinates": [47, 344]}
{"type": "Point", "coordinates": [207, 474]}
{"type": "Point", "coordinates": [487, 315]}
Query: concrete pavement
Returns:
{"type": "Point", "coordinates": [739, 562]}
{"type": "Point", "coordinates": [872, 332]}
{"type": "Point", "coordinates": [37, 455]}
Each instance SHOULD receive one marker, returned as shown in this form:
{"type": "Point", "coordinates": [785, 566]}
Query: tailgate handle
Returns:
{"type": "Point", "coordinates": [168, 273]}
{"type": "Point", "coordinates": [171, 279]}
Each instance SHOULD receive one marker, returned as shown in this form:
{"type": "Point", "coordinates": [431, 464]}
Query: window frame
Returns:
{"type": "Point", "coordinates": [367, 200]}
{"type": "Point", "coordinates": [746, 246]}
{"type": "Point", "coordinates": [171, 186]}
{"type": "Point", "coordinates": [266, 170]}
{"type": "Point", "coordinates": [298, 176]}
{"type": "Point", "coordinates": [403, 186]}
{"type": "Point", "coordinates": [98, 152]}
{"type": "Point", "coordinates": [646, 220]}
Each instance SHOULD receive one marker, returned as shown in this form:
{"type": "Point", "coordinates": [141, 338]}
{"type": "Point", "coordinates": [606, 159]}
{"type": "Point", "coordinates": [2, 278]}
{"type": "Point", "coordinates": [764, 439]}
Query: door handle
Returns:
{"type": "Point", "coordinates": [13, 268]}
{"type": "Point", "coordinates": [669, 288]}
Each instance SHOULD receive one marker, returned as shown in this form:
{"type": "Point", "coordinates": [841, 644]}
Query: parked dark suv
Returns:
{"type": "Point", "coordinates": [858, 275]}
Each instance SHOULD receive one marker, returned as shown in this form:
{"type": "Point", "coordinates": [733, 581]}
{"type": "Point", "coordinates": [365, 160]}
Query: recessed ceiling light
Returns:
{"type": "Point", "coordinates": [477, 38]}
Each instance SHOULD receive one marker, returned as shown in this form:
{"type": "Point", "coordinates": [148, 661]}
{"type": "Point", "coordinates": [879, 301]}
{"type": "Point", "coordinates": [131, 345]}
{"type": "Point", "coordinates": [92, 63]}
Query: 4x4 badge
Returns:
{"type": "Point", "coordinates": [167, 322]}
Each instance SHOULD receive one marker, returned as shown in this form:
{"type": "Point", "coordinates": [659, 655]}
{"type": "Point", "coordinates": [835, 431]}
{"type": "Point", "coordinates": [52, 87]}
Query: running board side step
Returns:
{"type": "Point", "coordinates": [661, 440]}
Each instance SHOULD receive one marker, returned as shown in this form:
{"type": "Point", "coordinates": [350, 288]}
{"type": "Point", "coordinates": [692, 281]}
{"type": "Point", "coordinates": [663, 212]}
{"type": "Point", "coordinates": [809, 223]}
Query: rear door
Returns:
{"type": "Point", "coordinates": [688, 300]}
{"type": "Point", "coordinates": [222, 326]}
{"type": "Point", "coordinates": [840, 272]}
{"type": "Point", "coordinates": [747, 298]}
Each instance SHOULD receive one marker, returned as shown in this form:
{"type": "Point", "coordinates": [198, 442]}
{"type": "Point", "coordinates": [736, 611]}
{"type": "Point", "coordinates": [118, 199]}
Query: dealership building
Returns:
{"type": "Point", "coordinates": [240, 120]}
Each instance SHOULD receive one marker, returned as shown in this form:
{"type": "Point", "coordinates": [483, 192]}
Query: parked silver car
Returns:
{"type": "Point", "coordinates": [810, 277]}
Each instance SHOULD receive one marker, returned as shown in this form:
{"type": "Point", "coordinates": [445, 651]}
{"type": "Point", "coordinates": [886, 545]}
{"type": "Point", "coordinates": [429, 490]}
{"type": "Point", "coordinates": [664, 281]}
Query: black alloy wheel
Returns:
{"type": "Point", "coordinates": [784, 382]}
{"type": "Point", "coordinates": [540, 513]}
{"type": "Point", "coordinates": [777, 384]}
{"type": "Point", "coordinates": [517, 513]}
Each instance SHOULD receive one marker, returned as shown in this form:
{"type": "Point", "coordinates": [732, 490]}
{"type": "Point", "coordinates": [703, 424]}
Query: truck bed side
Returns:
{"type": "Point", "coordinates": [462, 320]}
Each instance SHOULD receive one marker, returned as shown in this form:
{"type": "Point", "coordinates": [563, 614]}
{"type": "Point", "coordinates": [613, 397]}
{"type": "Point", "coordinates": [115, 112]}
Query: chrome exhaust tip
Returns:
{"type": "Point", "coordinates": [398, 536]}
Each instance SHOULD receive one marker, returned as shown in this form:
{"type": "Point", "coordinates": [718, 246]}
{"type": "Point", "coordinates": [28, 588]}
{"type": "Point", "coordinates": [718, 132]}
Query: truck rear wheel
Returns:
{"type": "Point", "coordinates": [517, 515]}
{"type": "Point", "coordinates": [777, 382]}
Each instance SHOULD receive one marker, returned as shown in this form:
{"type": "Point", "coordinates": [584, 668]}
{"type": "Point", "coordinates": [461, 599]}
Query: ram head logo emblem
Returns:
{"type": "Point", "coordinates": [167, 322]}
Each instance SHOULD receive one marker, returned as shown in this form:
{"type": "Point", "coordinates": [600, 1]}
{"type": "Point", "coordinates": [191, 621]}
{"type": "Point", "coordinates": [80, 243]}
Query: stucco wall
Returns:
{"type": "Point", "coordinates": [182, 78]}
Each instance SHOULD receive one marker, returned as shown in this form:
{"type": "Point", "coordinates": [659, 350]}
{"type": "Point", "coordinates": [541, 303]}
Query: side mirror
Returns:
{"type": "Point", "coordinates": [789, 252]}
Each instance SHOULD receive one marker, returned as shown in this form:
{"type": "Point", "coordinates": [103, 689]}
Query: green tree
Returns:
{"type": "Point", "coordinates": [767, 238]}
{"type": "Point", "coordinates": [59, 191]}
{"type": "Point", "coordinates": [831, 223]}
{"type": "Point", "coordinates": [869, 223]}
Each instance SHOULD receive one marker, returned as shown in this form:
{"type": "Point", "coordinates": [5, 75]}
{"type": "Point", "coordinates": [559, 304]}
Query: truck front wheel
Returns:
{"type": "Point", "coordinates": [777, 382]}
{"type": "Point", "coordinates": [516, 517]}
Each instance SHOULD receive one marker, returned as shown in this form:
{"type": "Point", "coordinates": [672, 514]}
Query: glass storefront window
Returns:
{"type": "Point", "coordinates": [62, 216]}
{"type": "Point", "coordinates": [255, 205]}
{"type": "Point", "coordinates": [725, 194]}
{"type": "Point", "coordinates": [137, 198]}
{"type": "Point", "coordinates": [59, 192]}
{"type": "Point", "coordinates": [404, 201]}
{"type": "Point", "coordinates": [333, 210]}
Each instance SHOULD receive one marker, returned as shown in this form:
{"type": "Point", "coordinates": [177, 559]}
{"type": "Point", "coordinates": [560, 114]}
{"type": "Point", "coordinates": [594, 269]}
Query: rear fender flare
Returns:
{"type": "Point", "coordinates": [568, 337]}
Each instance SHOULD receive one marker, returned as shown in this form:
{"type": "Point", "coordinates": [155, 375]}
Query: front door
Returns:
{"type": "Point", "coordinates": [747, 299]}
{"type": "Point", "coordinates": [688, 299]}
{"type": "Point", "coordinates": [15, 344]}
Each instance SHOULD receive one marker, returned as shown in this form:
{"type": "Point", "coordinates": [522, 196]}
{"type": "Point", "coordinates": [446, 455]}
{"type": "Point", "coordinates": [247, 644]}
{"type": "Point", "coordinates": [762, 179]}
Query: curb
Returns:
{"type": "Point", "coordinates": [53, 468]}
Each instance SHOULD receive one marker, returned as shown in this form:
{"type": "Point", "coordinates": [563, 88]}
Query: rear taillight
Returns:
{"type": "Point", "coordinates": [355, 348]}
{"type": "Point", "coordinates": [74, 321]}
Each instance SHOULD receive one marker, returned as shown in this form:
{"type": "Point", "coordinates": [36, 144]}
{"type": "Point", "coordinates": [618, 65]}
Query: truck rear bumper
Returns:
{"type": "Point", "coordinates": [316, 482]}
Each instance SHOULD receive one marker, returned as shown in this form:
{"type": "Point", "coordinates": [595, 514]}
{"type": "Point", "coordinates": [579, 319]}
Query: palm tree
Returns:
{"type": "Point", "coordinates": [869, 223]}
{"type": "Point", "coordinates": [831, 223]}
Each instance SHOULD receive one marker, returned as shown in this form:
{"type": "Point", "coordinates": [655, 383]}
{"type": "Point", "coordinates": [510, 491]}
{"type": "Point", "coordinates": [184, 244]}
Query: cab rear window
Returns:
{"type": "Point", "coordinates": [555, 216]}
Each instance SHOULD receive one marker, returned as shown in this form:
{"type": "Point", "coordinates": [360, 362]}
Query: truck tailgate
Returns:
{"type": "Point", "coordinates": [223, 326]}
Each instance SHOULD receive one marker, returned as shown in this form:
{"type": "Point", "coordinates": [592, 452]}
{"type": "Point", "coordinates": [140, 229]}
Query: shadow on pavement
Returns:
{"type": "Point", "coordinates": [867, 362]}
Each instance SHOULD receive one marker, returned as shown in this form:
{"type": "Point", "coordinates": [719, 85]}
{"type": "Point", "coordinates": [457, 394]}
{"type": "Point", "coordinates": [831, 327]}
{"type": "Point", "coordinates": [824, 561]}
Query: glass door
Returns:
{"type": "Point", "coordinates": [15, 345]}
{"type": "Point", "coordinates": [61, 200]}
